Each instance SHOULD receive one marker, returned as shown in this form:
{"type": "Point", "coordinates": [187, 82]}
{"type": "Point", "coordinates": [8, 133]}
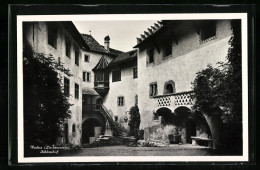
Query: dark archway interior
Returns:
{"type": "Point", "coordinates": [190, 130]}
{"type": "Point", "coordinates": [88, 129]}
{"type": "Point", "coordinates": [167, 115]}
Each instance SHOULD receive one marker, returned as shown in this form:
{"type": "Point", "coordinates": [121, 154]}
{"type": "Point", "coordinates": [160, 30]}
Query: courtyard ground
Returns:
{"type": "Point", "coordinates": [121, 150]}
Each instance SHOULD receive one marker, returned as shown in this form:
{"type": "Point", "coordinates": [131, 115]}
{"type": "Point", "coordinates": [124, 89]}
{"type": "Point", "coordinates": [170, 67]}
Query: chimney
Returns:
{"type": "Point", "coordinates": [106, 45]}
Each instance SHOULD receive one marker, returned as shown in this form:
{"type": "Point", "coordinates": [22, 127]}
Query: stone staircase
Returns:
{"type": "Point", "coordinates": [118, 130]}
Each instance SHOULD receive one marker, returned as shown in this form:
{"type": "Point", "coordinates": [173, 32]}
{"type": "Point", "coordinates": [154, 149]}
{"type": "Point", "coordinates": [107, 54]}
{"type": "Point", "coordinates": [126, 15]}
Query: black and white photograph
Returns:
{"type": "Point", "coordinates": [135, 87]}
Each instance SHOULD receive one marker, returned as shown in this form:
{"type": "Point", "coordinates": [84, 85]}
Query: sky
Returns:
{"type": "Point", "coordinates": [122, 33]}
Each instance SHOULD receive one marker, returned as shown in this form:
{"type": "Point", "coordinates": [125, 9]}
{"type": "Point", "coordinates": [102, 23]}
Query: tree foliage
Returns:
{"type": "Point", "coordinates": [45, 106]}
{"type": "Point", "coordinates": [218, 91]}
{"type": "Point", "coordinates": [134, 121]}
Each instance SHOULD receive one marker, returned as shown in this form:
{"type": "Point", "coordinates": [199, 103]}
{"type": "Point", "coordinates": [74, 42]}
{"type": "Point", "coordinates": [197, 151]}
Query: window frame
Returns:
{"type": "Point", "coordinates": [116, 75]}
{"type": "Point", "coordinates": [84, 76]}
{"type": "Point", "coordinates": [150, 54]}
{"type": "Point", "coordinates": [76, 91]}
{"type": "Point", "coordinates": [76, 57]}
{"type": "Point", "coordinates": [86, 55]}
{"type": "Point", "coordinates": [153, 89]}
{"type": "Point", "coordinates": [207, 26]}
{"type": "Point", "coordinates": [120, 101]}
{"type": "Point", "coordinates": [88, 79]}
{"type": "Point", "coordinates": [135, 73]}
{"type": "Point", "coordinates": [52, 35]}
{"type": "Point", "coordinates": [67, 48]}
{"type": "Point", "coordinates": [66, 87]}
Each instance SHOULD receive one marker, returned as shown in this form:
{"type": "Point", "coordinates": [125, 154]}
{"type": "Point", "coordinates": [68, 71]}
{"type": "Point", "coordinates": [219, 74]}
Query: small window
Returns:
{"type": "Point", "coordinates": [66, 87]}
{"type": "Point", "coordinates": [136, 99]}
{"type": "Point", "coordinates": [88, 76]}
{"type": "Point", "coordinates": [99, 77]}
{"type": "Point", "coordinates": [84, 76]}
{"type": "Point", "coordinates": [73, 128]}
{"type": "Point", "coordinates": [151, 56]}
{"type": "Point", "coordinates": [116, 118]}
{"type": "Point", "coordinates": [120, 101]}
{"type": "Point", "coordinates": [52, 35]}
{"type": "Point", "coordinates": [208, 30]}
{"type": "Point", "coordinates": [153, 89]}
{"type": "Point", "coordinates": [134, 72]}
{"type": "Point", "coordinates": [86, 58]}
{"type": "Point", "coordinates": [77, 57]}
{"type": "Point", "coordinates": [76, 91]}
{"type": "Point", "coordinates": [116, 76]}
{"type": "Point", "coordinates": [58, 61]}
{"type": "Point", "coordinates": [67, 48]}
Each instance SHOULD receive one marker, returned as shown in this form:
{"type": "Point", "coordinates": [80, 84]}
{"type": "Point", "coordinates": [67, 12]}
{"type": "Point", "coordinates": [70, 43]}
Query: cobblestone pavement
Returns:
{"type": "Point", "coordinates": [171, 150]}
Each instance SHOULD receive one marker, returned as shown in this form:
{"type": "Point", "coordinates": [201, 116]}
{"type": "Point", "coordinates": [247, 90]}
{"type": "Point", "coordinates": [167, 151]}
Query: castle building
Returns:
{"type": "Point", "coordinates": [65, 43]}
{"type": "Point", "coordinates": [170, 53]}
{"type": "Point", "coordinates": [157, 76]}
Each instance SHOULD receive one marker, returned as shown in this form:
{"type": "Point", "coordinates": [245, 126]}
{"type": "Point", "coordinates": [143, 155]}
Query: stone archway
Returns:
{"type": "Point", "coordinates": [90, 128]}
{"type": "Point", "coordinates": [169, 87]}
{"type": "Point", "coordinates": [166, 115]}
{"type": "Point", "coordinates": [191, 124]}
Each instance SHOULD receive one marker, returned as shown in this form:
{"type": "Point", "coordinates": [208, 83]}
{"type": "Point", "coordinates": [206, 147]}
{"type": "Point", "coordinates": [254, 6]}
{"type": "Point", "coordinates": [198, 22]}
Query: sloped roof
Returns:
{"type": "Point", "coordinates": [95, 46]}
{"type": "Point", "coordinates": [124, 57]}
{"type": "Point", "coordinates": [153, 30]}
{"type": "Point", "coordinates": [89, 91]}
{"type": "Point", "coordinates": [101, 65]}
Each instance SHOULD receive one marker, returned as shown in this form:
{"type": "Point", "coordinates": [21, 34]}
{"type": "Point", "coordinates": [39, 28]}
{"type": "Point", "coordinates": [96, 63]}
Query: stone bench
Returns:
{"type": "Point", "coordinates": [196, 138]}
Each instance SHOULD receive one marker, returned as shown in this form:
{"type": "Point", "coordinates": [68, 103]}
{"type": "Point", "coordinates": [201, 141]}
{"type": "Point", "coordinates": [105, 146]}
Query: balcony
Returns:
{"type": "Point", "coordinates": [175, 100]}
{"type": "Point", "coordinates": [91, 107]}
{"type": "Point", "coordinates": [101, 87]}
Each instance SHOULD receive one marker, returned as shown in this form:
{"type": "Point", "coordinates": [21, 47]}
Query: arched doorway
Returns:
{"type": "Point", "coordinates": [90, 128]}
{"type": "Point", "coordinates": [99, 102]}
{"type": "Point", "coordinates": [190, 130]}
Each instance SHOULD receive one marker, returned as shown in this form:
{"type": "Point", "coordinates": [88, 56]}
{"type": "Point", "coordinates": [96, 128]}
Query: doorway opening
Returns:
{"type": "Point", "coordinates": [190, 130]}
{"type": "Point", "coordinates": [90, 128]}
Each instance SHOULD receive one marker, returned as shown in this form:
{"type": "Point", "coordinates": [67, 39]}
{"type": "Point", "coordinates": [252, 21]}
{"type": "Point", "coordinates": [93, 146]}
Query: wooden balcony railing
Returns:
{"type": "Point", "coordinates": [101, 84]}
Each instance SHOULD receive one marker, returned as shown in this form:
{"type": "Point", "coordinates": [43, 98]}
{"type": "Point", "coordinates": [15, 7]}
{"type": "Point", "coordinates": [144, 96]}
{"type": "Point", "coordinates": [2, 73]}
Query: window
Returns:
{"type": "Point", "coordinates": [169, 87]}
{"type": "Point", "coordinates": [208, 30]}
{"type": "Point", "coordinates": [120, 101]}
{"type": "Point", "coordinates": [116, 76]}
{"type": "Point", "coordinates": [99, 77]}
{"type": "Point", "coordinates": [77, 57]}
{"type": "Point", "coordinates": [136, 99]}
{"type": "Point", "coordinates": [150, 56]}
{"type": "Point", "coordinates": [88, 76]}
{"type": "Point", "coordinates": [153, 89]}
{"type": "Point", "coordinates": [58, 61]}
{"type": "Point", "coordinates": [167, 48]}
{"type": "Point", "coordinates": [116, 118]}
{"type": "Point", "coordinates": [84, 76]}
{"type": "Point", "coordinates": [73, 128]}
{"type": "Point", "coordinates": [66, 87]}
{"type": "Point", "coordinates": [86, 58]}
{"type": "Point", "coordinates": [52, 34]}
{"type": "Point", "coordinates": [67, 48]}
{"type": "Point", "coordinates": [76, 91]}
{"type": "Point", "coordinates": [134, 72]}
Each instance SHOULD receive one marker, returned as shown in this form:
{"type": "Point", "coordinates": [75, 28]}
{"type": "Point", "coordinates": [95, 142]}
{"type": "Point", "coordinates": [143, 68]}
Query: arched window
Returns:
{"type": "Point", "coordinates": [169, 87]}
